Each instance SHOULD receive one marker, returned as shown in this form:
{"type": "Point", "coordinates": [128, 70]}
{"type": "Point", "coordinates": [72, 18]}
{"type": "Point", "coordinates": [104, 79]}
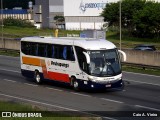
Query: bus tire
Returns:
{"type": "Point", "coordinates": [37, 77]}
{"type": "Point", "coordinates": [75, 84]}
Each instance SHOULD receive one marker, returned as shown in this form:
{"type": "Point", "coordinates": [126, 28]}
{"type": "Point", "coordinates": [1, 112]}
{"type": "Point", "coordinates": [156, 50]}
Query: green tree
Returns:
{"type": "Point", "coordinates": [59, 19]}
{"type": "Point", "coordinates": [140, 17]}
{"type": "Point", "coordinates": [129, 7]}
{"type": "Point", "coordinates": [17, 22]}
{"type": "Point", "coordinates": [111, 14]}
{"type": "Point", "coordinates": [147, 20]}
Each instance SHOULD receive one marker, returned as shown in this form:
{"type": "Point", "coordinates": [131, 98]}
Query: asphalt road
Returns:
{"type": "Point", "coordinates": [140, 95]}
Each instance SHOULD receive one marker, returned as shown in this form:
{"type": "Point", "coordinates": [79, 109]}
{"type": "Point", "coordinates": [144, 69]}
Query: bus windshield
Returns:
{"type": "Point", "coordinates": [104, 63]}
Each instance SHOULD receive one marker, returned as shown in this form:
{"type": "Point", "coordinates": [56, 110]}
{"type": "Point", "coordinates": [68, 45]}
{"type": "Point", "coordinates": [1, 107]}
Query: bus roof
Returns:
{"type": "Point", "coordinates": [86, 43]}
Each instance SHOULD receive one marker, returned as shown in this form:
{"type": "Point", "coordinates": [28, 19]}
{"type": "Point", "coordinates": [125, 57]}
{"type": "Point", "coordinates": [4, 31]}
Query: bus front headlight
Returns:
{"type": "Point", "coordinates": [91, 78]}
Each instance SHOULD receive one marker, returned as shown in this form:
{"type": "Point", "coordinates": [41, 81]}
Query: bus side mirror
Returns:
{"type": "Point", "coordinates": [87, 57]}
{"type": "Point", "coordinates": [124, 55]}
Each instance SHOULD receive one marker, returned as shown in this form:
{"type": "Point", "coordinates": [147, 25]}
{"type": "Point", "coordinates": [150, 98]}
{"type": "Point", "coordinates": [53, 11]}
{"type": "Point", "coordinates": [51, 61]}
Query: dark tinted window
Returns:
{"type": "Point", "coordinates": [29, 48]}
{"type": "Point", "coordinates": [48, 50]}
{"type": "Point", "coordinates": [42, 50]}
{"type": "Point", "coordinates": [82, 59]}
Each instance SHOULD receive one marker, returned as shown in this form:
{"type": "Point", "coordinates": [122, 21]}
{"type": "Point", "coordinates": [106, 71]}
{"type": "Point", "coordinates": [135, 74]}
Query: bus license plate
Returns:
{"type": "Point", "coordinates": [109, 85]}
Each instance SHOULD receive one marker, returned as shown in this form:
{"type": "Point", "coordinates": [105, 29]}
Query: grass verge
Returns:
{"type": "Point", "coordinates": [9, 53]}
{"type": "Point", "coordinates": [25, 109]}
{"type": "Point", "coordinates": [136, 69]}
{"type": "Point", "coordinates": [19, 32]}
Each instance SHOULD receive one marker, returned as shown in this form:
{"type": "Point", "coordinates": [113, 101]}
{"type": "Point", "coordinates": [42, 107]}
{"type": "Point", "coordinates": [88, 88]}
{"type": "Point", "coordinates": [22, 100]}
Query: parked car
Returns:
{"type": "Point", "coordinates": [145, 47]}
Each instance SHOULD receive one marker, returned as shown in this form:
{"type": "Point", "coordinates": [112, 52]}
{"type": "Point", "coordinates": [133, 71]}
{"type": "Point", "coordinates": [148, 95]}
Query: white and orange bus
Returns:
{"type": "Point", "coordinates": [79, 62]}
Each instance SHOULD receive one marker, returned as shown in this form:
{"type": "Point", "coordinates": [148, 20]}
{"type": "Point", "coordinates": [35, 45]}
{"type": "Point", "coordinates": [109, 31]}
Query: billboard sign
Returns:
{"type": "Point", "coordinates": [84, 7]}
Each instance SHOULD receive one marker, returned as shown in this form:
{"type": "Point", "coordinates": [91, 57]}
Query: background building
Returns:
{"type": "Point", "coordinates": [84, 14]}
{"type": "Point", "coordinates": [78, 14]}
{"type": "Point", "coordinates": [46, 10]}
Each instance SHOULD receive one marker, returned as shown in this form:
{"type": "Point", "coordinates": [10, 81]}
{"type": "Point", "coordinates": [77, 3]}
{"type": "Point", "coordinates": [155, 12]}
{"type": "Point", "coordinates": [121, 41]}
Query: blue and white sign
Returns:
{"type": "Point", "coordinates": [84, 7]}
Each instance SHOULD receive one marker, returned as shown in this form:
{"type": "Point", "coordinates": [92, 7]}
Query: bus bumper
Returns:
{"type": "Point", "coordinates": [94, 85]}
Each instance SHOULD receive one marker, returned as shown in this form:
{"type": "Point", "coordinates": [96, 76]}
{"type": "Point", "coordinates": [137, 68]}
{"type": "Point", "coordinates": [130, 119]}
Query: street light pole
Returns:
{"type": "Point", "coordinates": [120, 23]}
{"type": "Point", "coordinates": [2, 22]}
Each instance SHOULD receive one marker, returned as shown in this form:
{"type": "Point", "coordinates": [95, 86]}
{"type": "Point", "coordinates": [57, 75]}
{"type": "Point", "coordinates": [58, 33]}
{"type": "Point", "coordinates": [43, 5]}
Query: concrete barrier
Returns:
{"type": "Point", "coordinates": [10, 43]}
{"type": "Point", "coordinates": [133, 56]}
{"type": "Point", "coordinates": [143, 57]}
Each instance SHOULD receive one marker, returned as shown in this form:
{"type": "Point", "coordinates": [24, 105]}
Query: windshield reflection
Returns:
{"type": "Point", "coordinates": [104, 63]}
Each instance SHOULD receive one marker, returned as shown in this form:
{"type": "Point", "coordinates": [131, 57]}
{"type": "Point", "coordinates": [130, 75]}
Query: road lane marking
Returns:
{"type": "Point", "coordinates": [81, 94]}
{"type": "Point", "coordinates": [37, 102]}
{"type": "Point", "coordinates": [54, 89]}
{"type": "Point", "coordinates": [10, 70]}
{"type": "Point", "coordinates": [147, 107]}
{"type": "Point", "coordinates": [142, 82]}
{"type": "Point", "coordinates": [9, 80]}
{"type": "Point", "coordinates": [142, 74]}
{"type": "Point", "coordinates": [31, 84]}
{"type": "Point", "coordinates": [109, 118]}
{"type": "Point", "coordinates": [56, 106]}
{"type": "Point", "coordinates": [112, 100]}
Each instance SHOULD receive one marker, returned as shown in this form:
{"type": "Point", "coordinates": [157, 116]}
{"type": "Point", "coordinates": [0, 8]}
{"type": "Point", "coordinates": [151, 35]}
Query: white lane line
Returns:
{"type": "Point", "coordinates": [108, 118]}
{"type": "Point", "coordinates": [9, 80]}
{"type": "Point", "coordinates": [50, 105]}
{"type": "Point", "coordinates": [54, 89]}
{"type": "Point", "coordinates": [142, 82]}
{"type": "Point", "coordinates": [147, 107]}
{"type": "Point", "coordinates": [30, 84]}
{"type": "Point", "coordinates": [81, 94]}
{"type": "Point", "coordinates": [142, 74]}
{"type": "Point", "coordinates": [111, 100]}
{"type": "Point", "coordinates": [37, 102]}
{"type": "Point", "coordinates": [10, 70]}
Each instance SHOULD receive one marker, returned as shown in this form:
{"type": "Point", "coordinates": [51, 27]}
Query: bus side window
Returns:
{"type": "Point", "coordinates": [41, 50]}
{"type": "Point", "coordinates": [50, 51]}
{"type": "Point", "coordinates": [70, 53]}
{"type": "Point", "coordinates": [56, 52]}
{"type": "Point", "coordinates": [53, 51]}
{"type": "Point", "coordinates": [27, 48]}
{"type": "Point", "coordinates": [24, 47]}
{"type": "Point", "coordinates": [81, 59]}
{"type": "Point", "coordinates": [32, 49]}
{"type": "Point", "coordinates": [65, 54]}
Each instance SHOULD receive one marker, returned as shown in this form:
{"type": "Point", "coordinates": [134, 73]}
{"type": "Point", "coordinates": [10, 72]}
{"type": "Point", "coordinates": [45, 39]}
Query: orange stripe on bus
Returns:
{"type": "Point", "coordinates": [31, 61]}
{"type": "Point", "coordinates": [44, 69]}
{"type": "Point", "coordinates": [59, 77]}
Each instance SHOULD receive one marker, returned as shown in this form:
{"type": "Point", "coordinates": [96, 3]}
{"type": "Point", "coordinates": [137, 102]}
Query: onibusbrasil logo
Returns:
{"type": "Point", "coordinates": [84, 6]}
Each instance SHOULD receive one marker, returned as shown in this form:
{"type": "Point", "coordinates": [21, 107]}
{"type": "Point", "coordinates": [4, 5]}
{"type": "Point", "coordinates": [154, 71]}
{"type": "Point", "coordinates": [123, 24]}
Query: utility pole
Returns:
{"type": "Point", "coordinates": [120, 23]}
{"type": "Point", "coordinates": [2, 24]}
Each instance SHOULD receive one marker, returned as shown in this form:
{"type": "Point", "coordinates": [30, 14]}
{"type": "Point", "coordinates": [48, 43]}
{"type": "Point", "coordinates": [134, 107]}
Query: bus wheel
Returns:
{"type": "Point", "coordinates": [75, 84]}
{"type": "Point", "coordinates": [37, 78]}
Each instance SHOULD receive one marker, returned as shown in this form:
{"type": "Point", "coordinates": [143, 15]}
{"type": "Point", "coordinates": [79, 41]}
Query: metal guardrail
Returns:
{"type": "Point", "coordinates": [141, 65]}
